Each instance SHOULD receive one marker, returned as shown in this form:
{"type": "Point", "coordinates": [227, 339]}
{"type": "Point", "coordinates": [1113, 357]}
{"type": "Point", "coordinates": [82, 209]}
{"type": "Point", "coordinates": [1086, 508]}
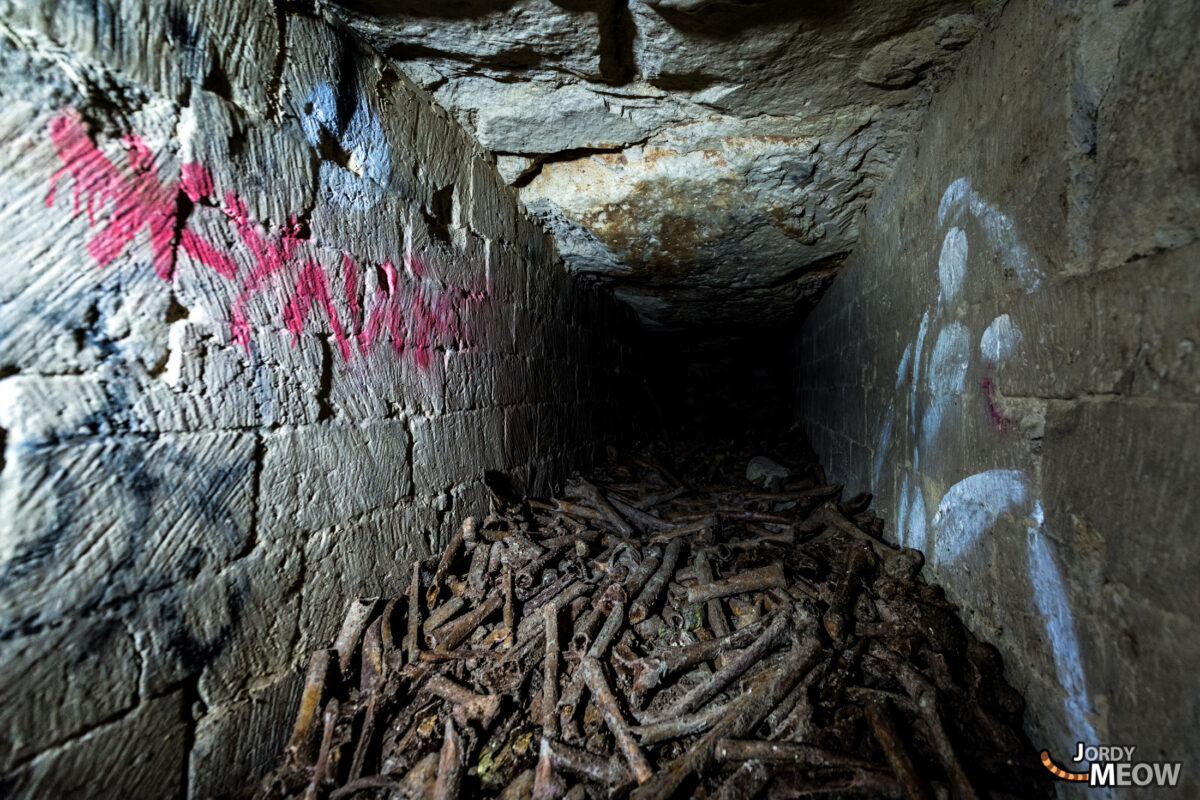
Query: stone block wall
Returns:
{"type": "Point", "coordinates": [267, 315]}
{"type": "Point", "coordinates": [1009, 362]}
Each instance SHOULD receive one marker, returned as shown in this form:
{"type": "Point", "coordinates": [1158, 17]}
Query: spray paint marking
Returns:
{"type": "Point", "coordinates": [997, 344]}
{"type": "Point", "coordinates": [990, 394]}
{"type": "Point", "coordinates": [138, 199]}
{"type": "Point", "coordinates": [418, 314]}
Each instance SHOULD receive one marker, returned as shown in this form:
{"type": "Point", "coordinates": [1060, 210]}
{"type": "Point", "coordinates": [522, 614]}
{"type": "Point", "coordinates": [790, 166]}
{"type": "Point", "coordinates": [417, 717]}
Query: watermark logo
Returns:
{"type": "Point", "coordinates": [1114, 765]}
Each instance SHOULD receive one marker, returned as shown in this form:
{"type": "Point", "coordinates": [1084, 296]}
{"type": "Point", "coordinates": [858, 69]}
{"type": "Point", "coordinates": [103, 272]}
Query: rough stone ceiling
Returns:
{"type": "Point", "coordinates": [709, 158]}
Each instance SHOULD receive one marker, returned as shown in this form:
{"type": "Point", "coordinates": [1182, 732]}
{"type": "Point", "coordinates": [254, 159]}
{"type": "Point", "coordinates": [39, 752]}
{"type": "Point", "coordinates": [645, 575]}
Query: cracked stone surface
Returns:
{"type": "Point", "coordinates": [710, 159]}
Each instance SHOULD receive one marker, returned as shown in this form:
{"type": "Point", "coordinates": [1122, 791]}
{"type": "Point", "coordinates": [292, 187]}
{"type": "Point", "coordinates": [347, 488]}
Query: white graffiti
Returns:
{"type": "Point", "coordinates": [947, 375]}
{"type": "Point", "coordinates": [1000, 340]}
{"type": "Point", "coordinates": [952, 264]}
{"type": "Point", "coordinates": [971, 507]}
{"type": "Point", "coordinates": [998, 228]}
{"type": "Point", "coordinates": [968, 511]}
{"type": "Point", "coordinates": [905, 364]}
{"type": "Point", "coordinates": [885, 438]}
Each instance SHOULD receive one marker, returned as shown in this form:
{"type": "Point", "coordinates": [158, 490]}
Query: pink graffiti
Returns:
{"type": "Point", "coordinates": [416, 313]}
{"type": "Point", "coordinates": [138, 199]}
{"type": "Point", "coordinates": [990, 393]}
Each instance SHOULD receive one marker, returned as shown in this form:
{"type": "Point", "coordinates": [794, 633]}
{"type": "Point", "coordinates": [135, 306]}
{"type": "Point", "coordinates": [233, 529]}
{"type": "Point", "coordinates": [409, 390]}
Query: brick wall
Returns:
{"type": "Point", "coordinates": [1008, 361]}
{"type": "Point", "coordinates": [267, 315]}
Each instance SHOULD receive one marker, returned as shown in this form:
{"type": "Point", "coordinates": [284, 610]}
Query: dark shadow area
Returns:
{"type": "Point", "coordinates": [720, 379]}
{"type": "Point", "coordinates": [618, 64]}
{"type": "Point", "coordinates": [443, 9]}
{"type": "Point", "coordinates": [517, 58]}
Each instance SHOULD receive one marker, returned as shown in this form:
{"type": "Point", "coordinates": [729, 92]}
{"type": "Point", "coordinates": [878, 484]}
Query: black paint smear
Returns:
{"type": "Point", "coordinates": [192, 651]}
{"type": "Point", "coordinates": [346, 95]}
{"type": "Point", "coordinates": [183, 32]}
{"type": "Point", "coordinates": [181, 29]}
{"type": "Point", "coordinates": [143, 482]}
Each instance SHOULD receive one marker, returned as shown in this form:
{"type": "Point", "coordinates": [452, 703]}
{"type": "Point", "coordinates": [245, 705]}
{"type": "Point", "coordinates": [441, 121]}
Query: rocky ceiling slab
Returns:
{"type": "Point", "coordinates": [709, 158]}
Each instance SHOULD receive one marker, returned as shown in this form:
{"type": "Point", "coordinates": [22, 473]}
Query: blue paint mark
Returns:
{"type": "Point", "coordinates": [971, 507]}
{"type": "Point", "coordinates": [1050, 596]}
{"type": "Point", "coordinates": [998, 228]}
{"type": "Point", "coordinates": [947, 375]}
{"type": "Point", "coordinates": [952, 264]}
{"type": "Point", "coordinates": [360, 182]}
{"type": "Point", "coordinates": [1000, 339]}
{"type": "Point", "coordinates": [916, 379]}
{"type": "Point", "coordinates": [905, 365]}
{"type": "Point", "coordinates": [918, 527]}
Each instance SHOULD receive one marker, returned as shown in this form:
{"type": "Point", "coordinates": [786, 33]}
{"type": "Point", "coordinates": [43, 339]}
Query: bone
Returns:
{"type": "Point", "coordinates": [468, 705]}
{"type": "Point", "coordinates": [453, 633]}
{"type": "Point", "coordinates": [644, 520]}
{"type": "Point", "coordinates": [787, 753]}
{"type": "Point", "coordinates": [678, 727]}
{"type": "Point", "coordinates": [743, 583]}
{"type": "Point", "coordinates": [704, 525]}
{"type": "Point", "coordinates": [357, 616]}
{"type": "Point", "coordinates": [442, 614]}
{"type": "Point", "coordinates": [509, 604]}
{"type": "Point", "coordinates": [584, 764]}
{"type": "Point", "coordinates": [520, 788]}
{"type": "Point", "coordinates": [414, 614]}
{"type": "Point", "coordinates": [593, 675]}
{"type": "Point", "coordinates": [372, 677]}
{"type": "Point", "coordinates": [591, 493]}
{"type": "Point", "coordinates": [734, 668]}
{"type": "Point", "coordinates": [568, 540]}
{"type": "Point", "coordinates": [746, 781]}
{"type": "Point", "coordinates": [450, 766]}
{"type": "Point", "coordinates": [614, 601]}
{"type": "Point", "coordinates": [745, 715]}
{"type": "Point", "coordinates": [300, 744]}
{"type": "Point", "coordinates": [547, 784]}
{"type": "Point", "coordinates": [321, 769]}
{"type": "Point", "coordinates": [654, 668]}
{"type": "Point", "coordinates": [550, 675]}
{"type": "Point", "coordinates": [714, 609]}
{"type": "Point", "coordinates": [640, 608]}
{"type": "Point", "coordinates": [924, 695]}
{"type": "Point", "coordinates": [896, 751]}
{"type": "Point", "coordinates": [419, 781]}
{"type": "Point", "coordinates": [785, 679]}
{"type": "Point", "coordinates": [448, 555]}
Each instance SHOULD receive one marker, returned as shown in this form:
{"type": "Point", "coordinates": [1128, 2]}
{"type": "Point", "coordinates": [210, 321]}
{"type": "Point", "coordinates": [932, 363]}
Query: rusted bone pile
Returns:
{"type": "Point", "coordinates": [657, 636]}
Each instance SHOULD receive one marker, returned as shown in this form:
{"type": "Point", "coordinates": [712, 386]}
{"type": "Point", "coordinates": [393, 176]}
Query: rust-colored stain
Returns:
{"type": "Point", "coordinates": [785, 219]}
{"type": "Point", "coordinates": [674, 211]}
{"type": "Point", "coordinates": [612, 158]}
{"type": "Point", "coordinates": [661, 225]}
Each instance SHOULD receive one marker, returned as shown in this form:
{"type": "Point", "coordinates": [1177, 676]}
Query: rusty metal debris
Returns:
{"type": "Point", "coordinates": [716, 640]}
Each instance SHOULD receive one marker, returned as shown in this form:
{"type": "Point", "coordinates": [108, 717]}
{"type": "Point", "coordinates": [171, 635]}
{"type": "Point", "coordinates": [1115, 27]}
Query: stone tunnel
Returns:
{"type": "Point", "coordinates": [283, 279]}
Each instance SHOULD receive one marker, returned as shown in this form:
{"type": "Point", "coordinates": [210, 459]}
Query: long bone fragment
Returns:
{"type": "Point", "coordinates": [745, 714]}
{"type": "Point", "coordinates": [593, 675]}
{"type": "Point", "coordinates": [733, 668]}
{"type": "Point", "coordinates": [754, 580]}
{"type": "Point", "coordinates": [639, 609]}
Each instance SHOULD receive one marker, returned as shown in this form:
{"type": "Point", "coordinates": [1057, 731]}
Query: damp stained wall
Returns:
{"type": "Point", "coordinates": [267, 315]}
{"type": "Point", "coordinates": [1009, 362]}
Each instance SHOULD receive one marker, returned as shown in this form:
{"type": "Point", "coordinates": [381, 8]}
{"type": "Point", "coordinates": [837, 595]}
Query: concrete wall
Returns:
{"type": "Point", "coordinates": [1009, 362]}
{"type": "Point", "coordinates": [267, 314]}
